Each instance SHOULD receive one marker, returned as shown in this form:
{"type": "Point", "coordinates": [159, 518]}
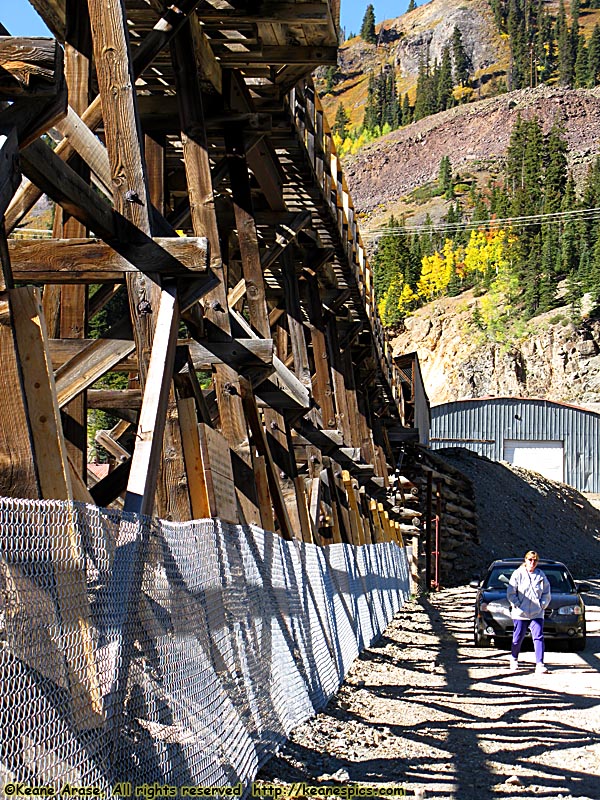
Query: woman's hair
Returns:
{"type": "Point", "coordinates": [531, 554]}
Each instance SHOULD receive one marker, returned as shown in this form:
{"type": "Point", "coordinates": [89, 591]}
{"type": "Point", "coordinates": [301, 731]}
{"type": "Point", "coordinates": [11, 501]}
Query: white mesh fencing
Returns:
{"type": "Point", "coordinates": [186, 655]}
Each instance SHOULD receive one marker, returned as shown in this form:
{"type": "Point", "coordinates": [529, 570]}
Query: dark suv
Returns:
{"type": "Point", "coordinates": [564, 619]}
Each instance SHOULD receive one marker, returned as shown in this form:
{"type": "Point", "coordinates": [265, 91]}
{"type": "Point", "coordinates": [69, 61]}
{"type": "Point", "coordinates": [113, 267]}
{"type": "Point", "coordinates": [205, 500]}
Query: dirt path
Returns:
{"type": "Point", "coordinates": [426, 710]}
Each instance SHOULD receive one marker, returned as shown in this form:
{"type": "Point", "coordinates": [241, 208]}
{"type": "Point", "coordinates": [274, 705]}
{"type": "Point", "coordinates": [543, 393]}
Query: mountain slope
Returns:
{"type": "Point", "coordinates": [404, 41]}
{"type": "Point", "coordinates": [475, 137]}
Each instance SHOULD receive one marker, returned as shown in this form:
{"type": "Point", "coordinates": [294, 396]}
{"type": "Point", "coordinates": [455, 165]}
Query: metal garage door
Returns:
{"type": "Point", "coordinates": [547, 458]}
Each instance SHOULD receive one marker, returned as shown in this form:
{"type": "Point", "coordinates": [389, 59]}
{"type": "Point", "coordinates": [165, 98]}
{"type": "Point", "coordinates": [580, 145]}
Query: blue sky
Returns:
{"type": "Point", "coordinates": [19, 17]}
{"type": "Point", "coordinates": [353, 12]}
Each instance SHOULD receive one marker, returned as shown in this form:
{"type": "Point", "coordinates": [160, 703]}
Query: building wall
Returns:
{"type": "Point", "coordinates": [484, 425]}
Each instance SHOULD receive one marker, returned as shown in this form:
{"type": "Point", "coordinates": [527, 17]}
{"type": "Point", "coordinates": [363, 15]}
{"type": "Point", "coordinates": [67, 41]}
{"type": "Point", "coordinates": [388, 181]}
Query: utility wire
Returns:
{"type": "Point", "coordinates": [554, 218]}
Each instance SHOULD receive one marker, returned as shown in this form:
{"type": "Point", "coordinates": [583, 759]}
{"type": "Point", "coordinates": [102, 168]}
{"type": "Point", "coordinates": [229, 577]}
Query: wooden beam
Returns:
{"type": "Point", "coordinates": [260, 442]}
{"type": "Point", "coordinates": [284, 236]}
{"type": "Point", "coordinates": [30, 67]}
{"type": "Point", "coordinates": [204, 221]}
{"type": "Point", "coordinates": [88, 146]}
{"type": "Point", "coordinates": [92, 363]}
{"type": "Point", "coordinates": [164, 30]}
{"type": "Point", "coordinates": [94, 261]}
{"type": "Point", "coordinates": [73, 307]}
{"type": "Point", "coordinates": [269, 12]}
{"type": "Point", "coordinates": [10, 175]}
{"type": "Point", "coordinates": [242, 354]}
{"type": "Point", "coordinates": [55, 483]}
{"type": "Point", "coordinates": [285, 55]}
{"type": "Point", "coordinates": [18, 475]}
{"type": "Point", "coordinates": [246, 231]}
{"type": "Point", "coordinates": [108, 399]}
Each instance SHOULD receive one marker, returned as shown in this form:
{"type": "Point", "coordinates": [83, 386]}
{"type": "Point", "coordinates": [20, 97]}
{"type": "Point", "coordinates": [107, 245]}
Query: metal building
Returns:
{"type": "Point", "coordinates": [560, 441]}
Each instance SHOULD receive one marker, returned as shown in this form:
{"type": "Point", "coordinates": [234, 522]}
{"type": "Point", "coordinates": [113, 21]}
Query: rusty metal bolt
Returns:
{"type": "Point", "coordinates": [229, 388]}
{"type": "Point", "coordinates": [131, 196]}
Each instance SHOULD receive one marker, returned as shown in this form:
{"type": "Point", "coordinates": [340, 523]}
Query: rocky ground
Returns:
{"type": "Point", "coordinates": [424, 710]}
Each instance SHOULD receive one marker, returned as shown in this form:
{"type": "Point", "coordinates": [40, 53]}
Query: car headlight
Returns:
{"type": "Point", "coordinates": [576, 610]}
{"type": "Point", "coordinates": [495, 608]}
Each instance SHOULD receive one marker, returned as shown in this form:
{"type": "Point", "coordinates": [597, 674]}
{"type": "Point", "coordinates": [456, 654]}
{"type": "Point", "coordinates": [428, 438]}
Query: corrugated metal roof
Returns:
{"type": "Point", "coordinates": [483, 424]}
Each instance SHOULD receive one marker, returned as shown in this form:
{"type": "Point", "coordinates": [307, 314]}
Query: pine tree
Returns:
{"type": "Point", "coordinates": [425, 96]}
{"type": "Point", "coordinates": [581, 70]}
{"type": "Point", "coordinates": [367, 29]}
{"type": "Point", "coordinates": [342, 120]}
{"type": "Point", "coordinates": [565, 49]}
{"type": "Point", "coordinates": [460, 58]}
{"type": "Point", "coordinates": [444, 81]}
{"type": "Point", "coordinates": [594, 57]}
{"type": "Point", "coordinates": [331, 74]}
{"type": "Point", "coordinates": [406, 110]}
{"type": "Point", "coordinates": [555, 172]}
{"type": "Point", "coordinates": [371, 115]}
{"type": "Point", "coordinates": [445, 175]}
{"type": "Point", "coordinates": [391, 258]}
{"type": "Point", "coordinates": [411, 6]}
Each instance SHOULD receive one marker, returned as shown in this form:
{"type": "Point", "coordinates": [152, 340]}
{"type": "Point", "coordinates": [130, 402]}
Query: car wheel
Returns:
{"type": "Point", "coordinates": [479, 639]}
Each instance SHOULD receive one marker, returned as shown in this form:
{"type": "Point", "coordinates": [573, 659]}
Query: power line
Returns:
{"type": "Point", "coordinates": [581, 214]}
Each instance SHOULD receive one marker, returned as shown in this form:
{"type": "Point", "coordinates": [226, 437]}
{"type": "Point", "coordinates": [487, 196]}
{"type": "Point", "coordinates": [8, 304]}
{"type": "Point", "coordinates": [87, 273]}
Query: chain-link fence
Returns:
{"type": "Point", "coordinates": [182, 656]}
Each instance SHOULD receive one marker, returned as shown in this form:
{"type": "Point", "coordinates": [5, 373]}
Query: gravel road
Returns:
{"type": "Point", "coordinates": [426, 710]}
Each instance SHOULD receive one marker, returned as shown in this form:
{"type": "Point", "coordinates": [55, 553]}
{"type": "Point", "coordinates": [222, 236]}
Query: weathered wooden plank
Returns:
{"type": "Point", "coordinates": [72, 317]}
{"type": "Point", "coordinates": [94, 261]}
{"type": "Point", "coordinates": [204, 221]}
{"type": "Point", "coordinates": [18, 477]}
{"type": "Point", "coordinates": [246, 230]}
{"type": "Point", "coordinates": [87, 145]}
{"type": "Point", "coordinates": [10, 175]}
{"type": "Point", "coordinates": [295, 321]}
{"type": "Point", "coordinates": [196, 480]}
{"type": "Point", "coordinates": [218, 474]}
{"type": "Point", "coordinates": [108, 399]}
{"type": "Point", "coordinates": [274, 11]}
{"type": "Point", "coordinates": [260, 442]}
{"type": "Point", "coordinates": [321, 384]}
{"type": "Point", "coordinates": [30, 67]}
{"type": "Point", "coordinates": [277, 54]}
{"type": "Point", "coordinates": [243, 354]}
{"type": "Point", "coordinates": [55, 482]}
{"type": "Point", "coordinates": [146, 456]}
{"type": "Point", "coordinates": [91, 363]}
{"type": "Point", "coordinates": [164, 30]}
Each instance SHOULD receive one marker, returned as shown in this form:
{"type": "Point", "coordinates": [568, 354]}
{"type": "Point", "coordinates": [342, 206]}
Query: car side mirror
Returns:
{"type": "Point", "coordinates": [582, 587]}
{"type": "Point", "coordinates": [475, 584]}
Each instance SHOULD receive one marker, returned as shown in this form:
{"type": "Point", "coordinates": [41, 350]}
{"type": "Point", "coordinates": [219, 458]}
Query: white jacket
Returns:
{"type": "Point", "coordinates": [528, 593]}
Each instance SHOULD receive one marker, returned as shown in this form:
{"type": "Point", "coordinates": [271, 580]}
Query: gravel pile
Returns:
{"type": "Point", "coordinates": [519, 510]}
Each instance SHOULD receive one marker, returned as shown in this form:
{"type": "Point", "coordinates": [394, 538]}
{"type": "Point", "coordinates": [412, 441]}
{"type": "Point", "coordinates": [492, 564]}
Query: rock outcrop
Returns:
{"type": "Point", "coordinates": [554, 359]}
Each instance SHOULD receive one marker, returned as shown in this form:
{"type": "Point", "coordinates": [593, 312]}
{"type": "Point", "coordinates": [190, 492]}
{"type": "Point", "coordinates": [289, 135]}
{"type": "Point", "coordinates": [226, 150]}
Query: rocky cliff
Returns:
{"type": "Point", "coordinates": [554, 359]}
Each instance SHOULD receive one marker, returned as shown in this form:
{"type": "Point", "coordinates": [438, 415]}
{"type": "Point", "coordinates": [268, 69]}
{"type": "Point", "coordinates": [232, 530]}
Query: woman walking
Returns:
{"type": "Point", "coordinates": [529, 595]}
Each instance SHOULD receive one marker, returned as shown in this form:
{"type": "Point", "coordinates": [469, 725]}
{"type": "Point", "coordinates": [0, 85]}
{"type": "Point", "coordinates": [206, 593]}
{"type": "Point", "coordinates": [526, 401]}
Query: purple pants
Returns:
{"type": "Point", "coordinates": [537, 634]}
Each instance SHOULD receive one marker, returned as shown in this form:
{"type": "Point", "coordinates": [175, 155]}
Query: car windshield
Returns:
{"type": "Point", "coordinates": [498, 578]}
{"type": "Point", "coordinates": [559, 580]}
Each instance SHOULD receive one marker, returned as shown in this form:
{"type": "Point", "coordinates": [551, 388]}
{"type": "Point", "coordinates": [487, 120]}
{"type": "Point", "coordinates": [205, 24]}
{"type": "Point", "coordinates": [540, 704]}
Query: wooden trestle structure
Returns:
{"type": "Point", "coordinates": [193, 168]}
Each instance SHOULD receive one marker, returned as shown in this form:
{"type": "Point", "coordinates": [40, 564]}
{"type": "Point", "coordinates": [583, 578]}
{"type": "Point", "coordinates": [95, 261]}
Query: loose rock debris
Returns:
{"type": "Point", "coordinates": [424, 709]}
